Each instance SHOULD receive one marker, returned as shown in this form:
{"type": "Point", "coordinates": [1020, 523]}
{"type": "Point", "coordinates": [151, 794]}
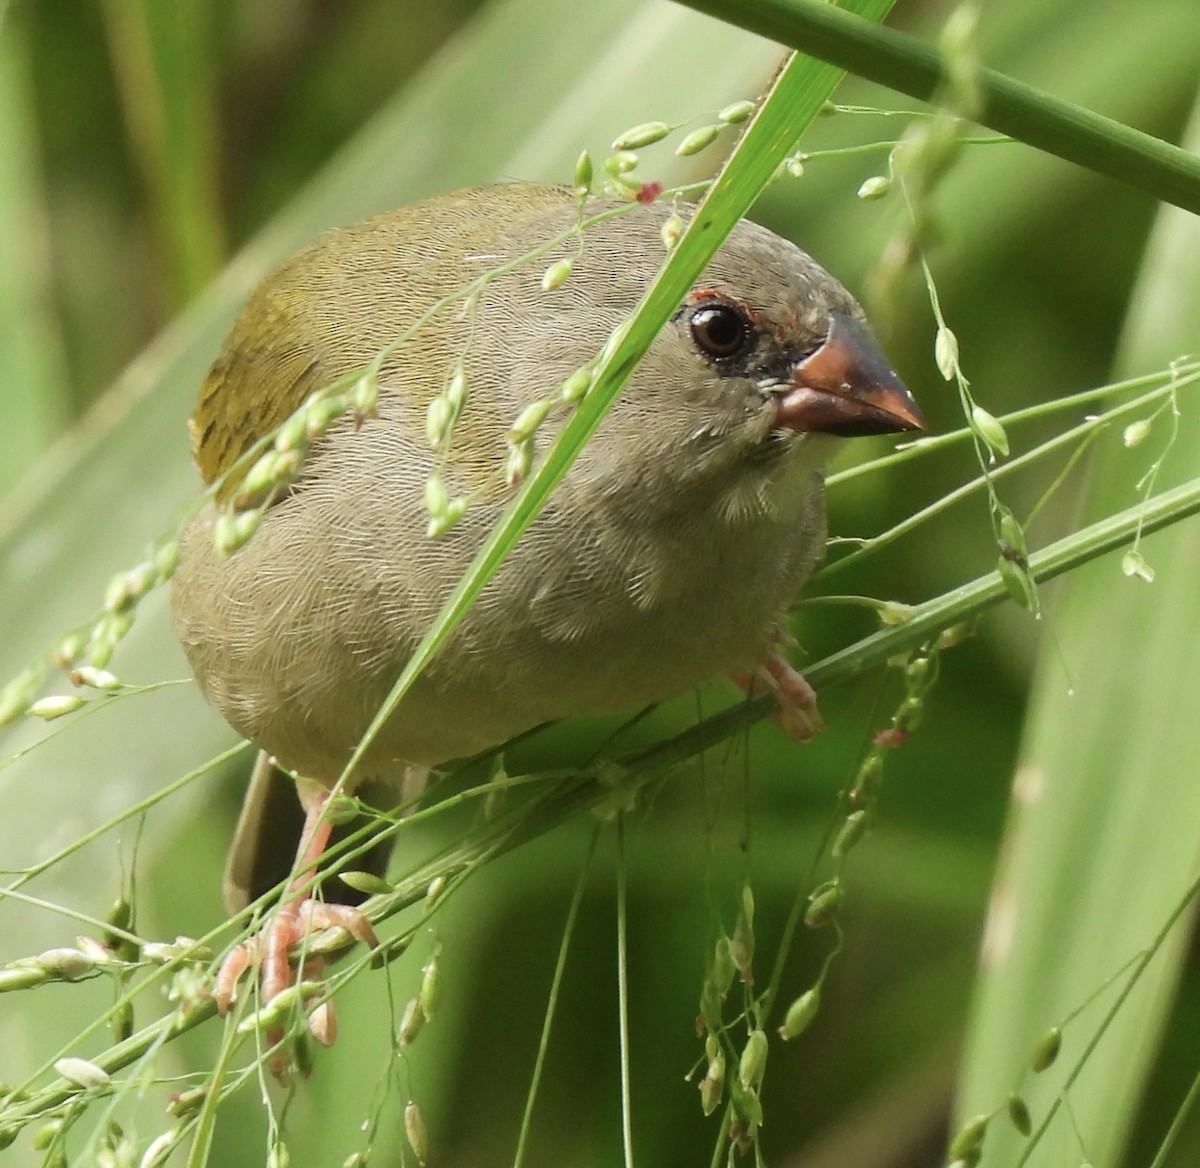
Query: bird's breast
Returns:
{"type": "Point", "coordinates": [299, 636]}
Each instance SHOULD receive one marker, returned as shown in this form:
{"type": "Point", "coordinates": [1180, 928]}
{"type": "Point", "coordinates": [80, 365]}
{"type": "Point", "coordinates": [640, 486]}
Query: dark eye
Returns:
{"type": "Point", "coordinates": [719, 330]}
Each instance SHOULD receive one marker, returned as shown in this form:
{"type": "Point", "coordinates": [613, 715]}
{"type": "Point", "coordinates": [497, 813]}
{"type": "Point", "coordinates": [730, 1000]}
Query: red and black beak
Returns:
{"type": "Point", "coordinates": [846, 388]}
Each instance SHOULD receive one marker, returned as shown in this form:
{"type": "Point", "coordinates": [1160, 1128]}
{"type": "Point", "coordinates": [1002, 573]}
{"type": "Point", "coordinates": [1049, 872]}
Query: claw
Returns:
{"type": "Point", "coordinates": [798, 717]}
{"type": "Point", "coordinates": [315, 914]}
{"type": "Point", "coordinates": [322, 1024]}
{"type": "Point", "coordinates": [240, 958]}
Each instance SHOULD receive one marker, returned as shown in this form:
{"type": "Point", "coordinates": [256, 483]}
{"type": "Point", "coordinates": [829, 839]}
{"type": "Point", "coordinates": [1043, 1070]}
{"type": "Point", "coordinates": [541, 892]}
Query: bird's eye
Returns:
{"type": "Point", "coordinates": [719, 330]}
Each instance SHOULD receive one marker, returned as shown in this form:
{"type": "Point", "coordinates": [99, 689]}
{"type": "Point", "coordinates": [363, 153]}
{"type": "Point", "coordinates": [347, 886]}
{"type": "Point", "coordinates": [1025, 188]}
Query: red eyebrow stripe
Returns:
{"type": "Point", "coordinates": [701, 294]}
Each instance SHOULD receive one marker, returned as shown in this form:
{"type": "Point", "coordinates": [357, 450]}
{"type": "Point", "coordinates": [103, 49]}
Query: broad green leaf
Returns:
{"type": "Point", "coordinates": [33, 388]}
{"type": "Point", "coordinates": [1102, 835]}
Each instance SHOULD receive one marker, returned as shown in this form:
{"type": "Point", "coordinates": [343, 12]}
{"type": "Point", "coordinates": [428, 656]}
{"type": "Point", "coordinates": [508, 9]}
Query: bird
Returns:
{"type": "Point", "coordinates": [666, 556]}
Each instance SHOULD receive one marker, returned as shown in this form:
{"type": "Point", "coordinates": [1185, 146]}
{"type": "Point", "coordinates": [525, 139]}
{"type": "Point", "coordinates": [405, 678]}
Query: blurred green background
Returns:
{"type": "Point", "coordinates": [156, 159]}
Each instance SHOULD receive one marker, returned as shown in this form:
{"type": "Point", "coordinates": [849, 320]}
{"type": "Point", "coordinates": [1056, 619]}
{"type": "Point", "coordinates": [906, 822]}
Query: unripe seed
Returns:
{"type": "Point", "coordinates": [432, 894]}
{"type": "Point", "coordinates": [259, 482]}
{"type": "Point", "coordinates": [736, 113]}
{"type": "Point", "coordinates": [411, 1022]}
{"type": "Point", "coordinates": [723, 967]}
{"type": "Point", "coordinates": [364, 397]}
{"type": "Point", "coordinates": [670, 231]}
{"type": "Point", "coordinates": [440, 524]}
{"type": "Point", "coordinates": [429, 996]}
{"type": "Point", "coordinates": [800, 1014]}
{"type": "Point", "coordinates": [875, 187]}
{"type": "Point", "coordinates": [21, 978]}
{"type": "Point", "coordinates": [711, 1093]}
{"type": "Point", "coordinates": [945, 352]}
{"type": "Point", "coordinates": [518, 463]}
{"type": "Point", "coordinates": [95, 678]}
{"type": "Point", "coordinates": [437, 498]}
{"type": "Point", "coordinates": [556, 274]}
{"type": "Point", "coordinates": [529, 419]}
{"type": "Point", "coordinates": [583, 174]}
{"type": "Point", "coordinates": [293, 434]}
{"type": "Point", "coordinates": [47, 1134]}
{"type": "Point", "coordinates": [456, 391]}
{"type": "Point", "coordinates": [698, 140]}
{"type": "Point", "coordinates": [645, 134]}
{"type": "Point", "coordinates": [823, 905]}
{"type": "Point", "coordinates": [753, 1063]}
{"type": "Point", "coordinates": [1133, 563]}
{"type": "Point", "coordinates": [187, 1102]}
{"type": "Point", "coordinates": [414, 1130]}
{"type": "Point", "coordinates": [66, 964]}
{"type": "Point", "coordinates": [1018, 583]}
{"type": "Point", "coordinates": [990, 429]}
{"type": "Point", "coordinates": [1018, 1112]}
{"type": "Point", "coordinates": [969, 1138]}
{"type": "Point", "coordinates": [322, 413]}
{"type": "Point", "coordinates": [232, 531]}
{"type": "Point", "coordinates": [1046, 1049]}
{"type": "Point", "coordinates": [1012, 532]}
{"type": "Point", "coordinates": [851, 832]}
{"type": "Point", "coordinates": [17, 695]}
{"type": "Point", "coordinates": [55, 706]}
{"type": "Point", "coordinates": [620, 163]}
{"type": "Point", "coordinates": [365, 882]}
{"type": "Point", "coordinates": [1136, 432]}
{"type": "Point", "coordinates": [577, 385]}
{"type": "Point", "coordinates": [158, 1150]}
{"type": "Point", "coordinates": [83, 1073]}
{"type": "Point", "coordinates": [166, 558]}
{"type": "Point", "coordinates": [68, 652]}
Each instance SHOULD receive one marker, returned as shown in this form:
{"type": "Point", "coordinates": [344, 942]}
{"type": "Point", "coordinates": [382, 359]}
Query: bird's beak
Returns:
{"type": "Point", "coordinates": [846, 388]}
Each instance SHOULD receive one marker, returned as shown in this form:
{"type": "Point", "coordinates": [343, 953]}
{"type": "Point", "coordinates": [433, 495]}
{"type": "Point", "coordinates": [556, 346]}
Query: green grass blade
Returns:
{"type": "Point", "coordinates": [35, 389]}
{"type": "Point", "coordinates": [164, 62]}
{"type": "Point", "coordinates": [1102, 835]}
{"type": "Point", "coordinates": [907, 65]}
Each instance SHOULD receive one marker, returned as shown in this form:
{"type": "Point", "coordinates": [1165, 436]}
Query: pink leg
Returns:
{"type": "Point", "coordinates": [296, 917]}
{"type": "Point", "coordinates": [798, 717]}
{"type": "Point", "coordinates": [284, 930]}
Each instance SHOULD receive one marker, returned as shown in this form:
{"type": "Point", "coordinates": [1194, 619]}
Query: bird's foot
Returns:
{"type": "Point", "coordinates": [798, 717]}
{"type": "Point", "coordinates": [292, 924]}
